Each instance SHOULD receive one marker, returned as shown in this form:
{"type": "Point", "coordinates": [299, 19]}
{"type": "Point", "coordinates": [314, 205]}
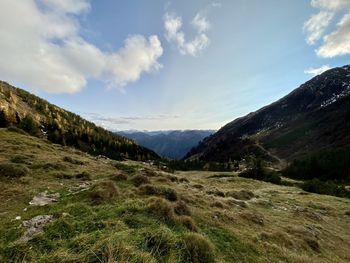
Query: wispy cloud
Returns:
{"type": "Point", "coordinates": [336, 42]}
{"type": "Point", "coordinates": [317, 71]}
{"type": "Point", "coordinates": [174, 33]}
{"type": "Point", "coordinates": [118, 122]}
{"type": "Point", "coordinates": [44, 49]}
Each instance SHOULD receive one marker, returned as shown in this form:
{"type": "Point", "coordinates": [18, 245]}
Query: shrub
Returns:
{"type": "Point", "coordinates": [241, 195]}
{"type": "Point", "coordinates": [103, 192]}
{"type": "Point", "coordinates": [21, 159]}
{"type": "Point", "coordinates": [216, 192]}
{"type": "Point", "coordinates": [181, 208]}
{"type": "Point", "coordinates": [324, 165]}
{"type": "Point", "coordinates": [168, 193]}
{"type": "Point", "coordinates": [313, 244]}
{"type": "Point", "coordinates": [218, 204]}
{"type": "Point", "coordinates": [13, 170]}
{"type": "Point", "coordinates": [138, 180]}
{"type": "Point", "coordinates": [119, 177]}
{"type": "Point", "coordinates": [158, 241]}
{"type": "Point", "coordinates": [162, 209]}
{"type": "Point", "coordinates": [259, 172]}
{"type": "Point", "coordinates": [188, 222]}
{"type": "Point", "coordinates": [327, 188]}
{"type": "Point", "coordinates": [125, 168]}
{"type": "Point", "coordinates": [17, 130]}
{"type": "Point", "coordinates": [183, 180]}
{"type": "Point", "coordinates": [27, 124]}
{"type": "Point", "coordinates": [69, 159]}
{"type": "Point", "coordinates": [198, 249]}
{"type": "Point", "coordinates": [83, 176]}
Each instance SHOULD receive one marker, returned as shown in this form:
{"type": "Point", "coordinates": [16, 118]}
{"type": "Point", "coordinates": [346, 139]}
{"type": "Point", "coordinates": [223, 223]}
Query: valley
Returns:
{"type": "Point", "coordinates": [113, 211]}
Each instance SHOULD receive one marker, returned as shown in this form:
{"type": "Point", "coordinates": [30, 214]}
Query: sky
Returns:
{"type": "Point", "coordinates": [164, 65]}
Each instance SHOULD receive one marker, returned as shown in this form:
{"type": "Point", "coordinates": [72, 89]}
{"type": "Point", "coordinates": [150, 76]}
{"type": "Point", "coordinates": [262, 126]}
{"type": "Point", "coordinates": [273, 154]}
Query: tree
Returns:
{"type": "Point", "coordinates": [3, 119]}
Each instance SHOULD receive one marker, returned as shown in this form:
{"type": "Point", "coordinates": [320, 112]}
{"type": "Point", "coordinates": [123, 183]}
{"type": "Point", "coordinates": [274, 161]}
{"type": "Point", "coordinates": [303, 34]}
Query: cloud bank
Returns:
{"type": "Point", "coordinates": [337, 41]}
{"type": "Point", "coordinates": [42, 48]}
{"type": "Point", "coordinates": [174, 33]}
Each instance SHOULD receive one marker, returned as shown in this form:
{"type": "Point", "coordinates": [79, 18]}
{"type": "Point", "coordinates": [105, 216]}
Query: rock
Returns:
{"type": "Point", "coordinates": [34, 227]}
{"type": "Point", "coordinates": [44, 198]}
{"type": "Point", "coordinates": [79, 187]}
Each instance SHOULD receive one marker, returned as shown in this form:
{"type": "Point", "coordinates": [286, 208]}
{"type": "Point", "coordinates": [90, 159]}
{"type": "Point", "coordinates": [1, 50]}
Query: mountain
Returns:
{"type": "Point", "coordinates": [313, 117]}
{"type": "Point", "coordinates": [173, 144]}
{"type": "Point", "coordinates": [38, 117]}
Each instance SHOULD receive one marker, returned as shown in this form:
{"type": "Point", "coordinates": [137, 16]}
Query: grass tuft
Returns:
{"type": "Point", "coordinates": [102, 192]}
{"type": "Point", "coordinates": [11, 170]}
{"type": "Point", "coordinates": [198, 249]}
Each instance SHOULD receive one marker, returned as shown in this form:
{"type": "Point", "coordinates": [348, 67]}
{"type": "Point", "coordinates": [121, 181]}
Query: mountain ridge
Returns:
{"type": "Point", "coordinates": [307, 105]}
{"type": "Point", "coordinates": [172, 144]}
{"type": "Point", "coordinates": [42, 119]}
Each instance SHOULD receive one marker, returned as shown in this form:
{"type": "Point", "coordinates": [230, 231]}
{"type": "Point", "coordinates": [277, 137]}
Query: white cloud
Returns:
{"type": "Point", "coordinates": [43, 49]}
{"type": "Point", "coordinates": [174, 34]}
{"type": "Point", "coordinates": [336, 42]}
{"type": "Point", "coordinates": [317, 71]}
{"type": "Point", "coordinates": [137, 56]}
{"type": "Point", "coordinates": [316, 26]}
{"type": "Point", "coordinates": [201, 23]}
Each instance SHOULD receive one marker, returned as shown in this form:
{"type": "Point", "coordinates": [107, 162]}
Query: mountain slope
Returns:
{"type": "Point", "coordinates": [314, 116]}
{"type": "Point", "coordinates": [185, 217]}
{"type": "Point", "coordinates": [40, 118]}
{"type": "Point", "coordinates": [171, 144]}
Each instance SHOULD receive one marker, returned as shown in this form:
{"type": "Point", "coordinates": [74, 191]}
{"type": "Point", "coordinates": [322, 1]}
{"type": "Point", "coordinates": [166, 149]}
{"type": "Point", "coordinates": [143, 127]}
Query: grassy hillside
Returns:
{"type": "Point", "coordinates": [100, 210]}
{"type": "Point", "coordinates": [40, 118]}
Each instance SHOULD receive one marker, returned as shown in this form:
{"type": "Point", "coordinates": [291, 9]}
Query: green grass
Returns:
{"type": "Point", "coordinates": [170, 221]}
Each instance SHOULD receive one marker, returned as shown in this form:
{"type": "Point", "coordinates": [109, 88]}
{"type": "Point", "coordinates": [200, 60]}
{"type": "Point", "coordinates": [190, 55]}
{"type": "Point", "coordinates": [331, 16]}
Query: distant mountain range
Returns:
{"type": "Point", "coordinates": [22, 110]}
{"type": "Point", "coordinates": [314, 117]}
{"type": "Point", "coordinates": [172, 144]}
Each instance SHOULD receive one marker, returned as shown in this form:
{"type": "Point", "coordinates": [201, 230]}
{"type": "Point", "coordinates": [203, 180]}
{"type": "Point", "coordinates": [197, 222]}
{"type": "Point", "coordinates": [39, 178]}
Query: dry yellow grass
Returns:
{"type": "Point", "coordinates": [270, 223]}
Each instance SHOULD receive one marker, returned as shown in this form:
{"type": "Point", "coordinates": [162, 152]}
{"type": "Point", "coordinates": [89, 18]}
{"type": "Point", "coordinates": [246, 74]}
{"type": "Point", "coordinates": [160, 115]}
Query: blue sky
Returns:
{"type": "Point", "coordinates": [158, 65]}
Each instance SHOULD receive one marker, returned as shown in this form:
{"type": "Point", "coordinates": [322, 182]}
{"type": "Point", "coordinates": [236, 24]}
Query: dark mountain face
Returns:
{"type": "Point", "coordinates": [171, 144]}
{"type": "Point", "coordinates": [38, 117]}
{"type": "Point", "coordinates": [312, 117]}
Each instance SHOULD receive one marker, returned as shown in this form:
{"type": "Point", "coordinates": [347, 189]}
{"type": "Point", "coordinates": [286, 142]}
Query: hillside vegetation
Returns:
{"type": "Point", "coordinates": [59, 204]}
{"type": "Point", "coordinates": [38, 117]}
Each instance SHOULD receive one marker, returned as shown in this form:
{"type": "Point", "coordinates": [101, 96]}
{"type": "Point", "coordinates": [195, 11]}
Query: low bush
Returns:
{"type": "Point", "coordinates": [119, 177]}
{"type": "Point", "coordinates": [158, 242]}
{"type": "Point", "coordinates": [139, 179]}
{"type": "Point", "coordinates": [11, 170]}
{"type": "Point", "coordinates": [198, 249]}
{"type": "Point", "coordinates": [21, 159]}
{"type": "Point", "coordinates": [17, 130]}
{"type": "Point", "coordinates": [166, 192]}
{"type": "Point", "coordinates": [324, 165]}
{"type": "Point", "coordinates": [129, 169]}
{"type": "Point", "coordinates": [181, 208]}
{"type": "Point", "coordinates": [259, 172]}
{"type": "Point", "coordinates": [216, 192]}
{"type": "Point", "coordinates": [327, 188]}
{"type": "Point", "coordinates": [188, 222]}
{"type": "Point", "coordinates": [105, 191]}
{"type": "Point", "coordinates": [71, 160]}
{"type": "Point", "coordinates": [241, 195]}
{"type": "Point", "coordinates": [83, 176]}
{"type": "Point", "coordinates": [161, 208]}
